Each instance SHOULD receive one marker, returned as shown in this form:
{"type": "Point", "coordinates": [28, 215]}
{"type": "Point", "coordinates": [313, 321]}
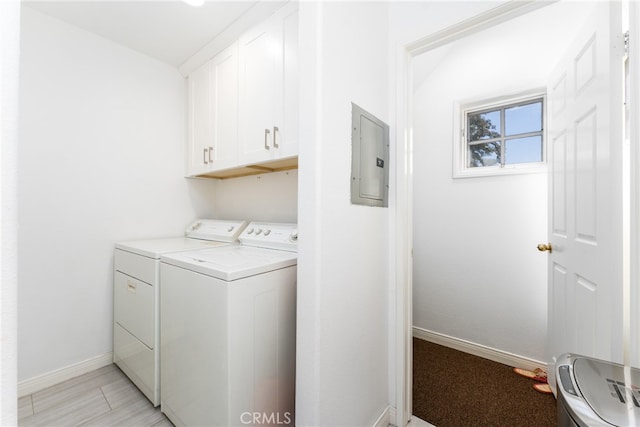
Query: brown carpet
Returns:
{"type": "Point", "coordinates": [455, 389]}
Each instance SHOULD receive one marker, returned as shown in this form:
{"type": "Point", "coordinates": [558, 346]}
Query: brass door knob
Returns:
{"type": "Point", "coordinates": [543, 247]}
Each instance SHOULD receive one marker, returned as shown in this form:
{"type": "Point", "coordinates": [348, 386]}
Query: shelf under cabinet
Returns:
{"type": "Point", "coordinates": [246, 170]}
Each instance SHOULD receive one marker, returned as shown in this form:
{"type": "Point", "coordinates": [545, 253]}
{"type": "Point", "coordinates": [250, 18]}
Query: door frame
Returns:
{"type": "Point", "coordinates": [632, 260]}
{"type": "Point", "coordinates": [403, 215]}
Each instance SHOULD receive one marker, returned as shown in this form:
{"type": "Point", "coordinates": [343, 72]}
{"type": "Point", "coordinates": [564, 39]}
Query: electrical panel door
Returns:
{"type": "Point", "coordinates": [369, 159]}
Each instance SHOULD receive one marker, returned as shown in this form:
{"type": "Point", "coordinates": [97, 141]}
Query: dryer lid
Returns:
{"type": "Point", "coordinates": [612, 391]}
{"type": "Point", "coordinates": [154, 248]}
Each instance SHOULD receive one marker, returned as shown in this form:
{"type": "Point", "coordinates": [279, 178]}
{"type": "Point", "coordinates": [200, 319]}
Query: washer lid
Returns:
{"type": "Point", "coordinates": [232, 262]}
{"type": "Point", "coordinates": [611, 392]}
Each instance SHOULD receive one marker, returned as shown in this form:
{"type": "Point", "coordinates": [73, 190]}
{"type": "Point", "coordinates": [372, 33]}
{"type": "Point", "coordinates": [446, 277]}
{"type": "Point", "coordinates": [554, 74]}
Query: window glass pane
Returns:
{"type": "Point", "coordinates": [484, 125]}
{"type": "Point", "coordinates": [487, 154]}
{"type": "Point", "coordinates": [523, 119]}
{"type": "Point", "coordinates": [523, 150]}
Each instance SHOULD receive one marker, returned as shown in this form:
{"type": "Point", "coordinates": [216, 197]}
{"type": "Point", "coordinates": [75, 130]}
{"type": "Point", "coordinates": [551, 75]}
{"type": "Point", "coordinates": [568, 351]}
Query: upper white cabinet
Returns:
{"type": "Point", "coordinates": [199, 140]}
{"type": "Point", "coordinates": [224, 108]}
{"type": "Point", "coordinates": [289, 146]}
{"type": "Point", "coordinates": [268, 89]}
{"type": "Point", "coordinates": [213, 114]}
{"type": "Point", "coordinates": [243, 104]}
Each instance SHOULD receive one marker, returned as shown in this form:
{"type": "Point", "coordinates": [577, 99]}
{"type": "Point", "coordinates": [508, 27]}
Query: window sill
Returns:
{"type": "Point", "coordinates": [500, 171]}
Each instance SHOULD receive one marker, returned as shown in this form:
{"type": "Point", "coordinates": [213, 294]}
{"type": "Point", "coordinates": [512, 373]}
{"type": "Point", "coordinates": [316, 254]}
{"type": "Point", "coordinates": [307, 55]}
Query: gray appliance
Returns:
{"type": "Point", "coordinates": [593, 393]}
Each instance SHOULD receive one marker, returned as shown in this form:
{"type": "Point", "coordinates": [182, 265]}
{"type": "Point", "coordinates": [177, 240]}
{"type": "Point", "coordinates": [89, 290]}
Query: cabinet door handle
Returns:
{"type": "Point", "coordinates": [275, 132]}
{"type": "Point", "coordinates": [210, 151]}
{"type": "Point", "coordinates": [204, 156]}
{"type": "Point", "coordinates": [266, 139]}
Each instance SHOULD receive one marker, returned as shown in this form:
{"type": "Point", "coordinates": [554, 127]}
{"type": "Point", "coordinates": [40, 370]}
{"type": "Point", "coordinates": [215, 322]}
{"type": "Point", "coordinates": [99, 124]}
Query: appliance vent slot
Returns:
{"type": "Point", "coordinates": [619, 391]}
{"type": "Point", "coordinates": [615, 390]}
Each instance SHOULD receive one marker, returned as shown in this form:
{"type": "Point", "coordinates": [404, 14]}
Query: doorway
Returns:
{"type": "Point", "coordinates": [474, 271]}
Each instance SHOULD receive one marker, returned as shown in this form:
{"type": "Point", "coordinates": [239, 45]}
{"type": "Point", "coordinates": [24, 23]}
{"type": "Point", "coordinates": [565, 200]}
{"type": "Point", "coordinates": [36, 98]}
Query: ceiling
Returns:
{"type": "Point", "coordinates": [168, 30]}
{"type": "Point", "coordinates": [543, 29]}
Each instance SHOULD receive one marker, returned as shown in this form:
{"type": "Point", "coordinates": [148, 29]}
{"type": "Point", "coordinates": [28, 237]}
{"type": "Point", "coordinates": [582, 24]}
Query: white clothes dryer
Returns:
{"type": "Point", "coordinates": [596, 393]}
{"type": "Point", "coordinates": [136, 321]}
{"type": "Point", "coordinates": [228, 331]}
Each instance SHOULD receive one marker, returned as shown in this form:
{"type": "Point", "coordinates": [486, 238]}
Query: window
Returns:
{"type": "Point", "coordinates": [503, 137]}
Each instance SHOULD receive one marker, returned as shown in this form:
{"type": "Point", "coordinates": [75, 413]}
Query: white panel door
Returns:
{"type": "Point", "coordinates": [199, 110]}
{"type": "Point", "coordinates": [585, 194]}
{"type": "Point", "coordinates": [287, 140]}
{"type": "Point", "coordinates": [224, 106]}
{"type": "Point", "coordinates": [261, 68]}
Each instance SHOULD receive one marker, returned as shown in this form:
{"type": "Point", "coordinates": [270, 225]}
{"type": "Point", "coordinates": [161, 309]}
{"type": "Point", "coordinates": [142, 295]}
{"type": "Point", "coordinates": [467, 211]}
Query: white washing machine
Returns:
{"type": "Point", "coordinates": [228, 331]}
{"type": "Point", "coordinates": [136, 319]}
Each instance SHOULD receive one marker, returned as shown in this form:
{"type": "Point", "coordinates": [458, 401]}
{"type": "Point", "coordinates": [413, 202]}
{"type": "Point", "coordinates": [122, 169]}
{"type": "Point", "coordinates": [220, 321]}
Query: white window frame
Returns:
{"type": "Point", "coordinates": [461, 167]}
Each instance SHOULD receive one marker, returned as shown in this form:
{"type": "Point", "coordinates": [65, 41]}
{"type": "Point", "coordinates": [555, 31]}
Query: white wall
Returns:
{"type": "Point", "coordinates": [477, 274]}
{"type": "Point", "coordinates": [9, 76]}
{"type": "Point", "coordinates": [342, 365]}
{"type": "Point", "coordinates": [266, 197]}
{"type": "Point", "coordinates": [101, 159]}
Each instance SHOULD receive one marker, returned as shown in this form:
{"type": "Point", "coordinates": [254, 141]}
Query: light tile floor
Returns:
{"type": "Point", "coordinates": [417, 422]}
{"type": "Point", "coordinates": [104, 397]}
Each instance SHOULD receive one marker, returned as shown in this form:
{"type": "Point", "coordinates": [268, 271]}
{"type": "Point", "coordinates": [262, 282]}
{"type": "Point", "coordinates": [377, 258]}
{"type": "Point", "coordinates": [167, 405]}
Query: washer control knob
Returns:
{"type": "Point", "coordinates": [230, 229]}
{"type": "Point", "coordinates": [258, 231]}
{"type": "Point", "coordinates": [294, 237]}
{"type": "Point", "coordinates": [250, 231]}
{"type": "Point", "coordinates": [267, 232]}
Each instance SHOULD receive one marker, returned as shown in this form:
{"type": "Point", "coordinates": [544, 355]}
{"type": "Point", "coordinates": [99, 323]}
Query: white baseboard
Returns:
{"type": "Point", "coordinates": [383, 419]}
{"type": "Point", "coordinates": [393, 421]}
{"type": "Point", "coordinates": [414, 422]}
{"type": "Point", "coordinates": [43, 381]}
{"type": "Point", "coordinates": [496, 355]}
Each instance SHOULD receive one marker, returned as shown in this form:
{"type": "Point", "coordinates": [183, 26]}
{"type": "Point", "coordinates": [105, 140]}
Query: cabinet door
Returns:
{"type": "Point", "coordinates": [261, 63]}
{"type": "Point", "coordinates": [199, 139]}
{"type": "Point", "coordinates": [288, 139]}
{"type": "Point", "coordinates": [224, 105]}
